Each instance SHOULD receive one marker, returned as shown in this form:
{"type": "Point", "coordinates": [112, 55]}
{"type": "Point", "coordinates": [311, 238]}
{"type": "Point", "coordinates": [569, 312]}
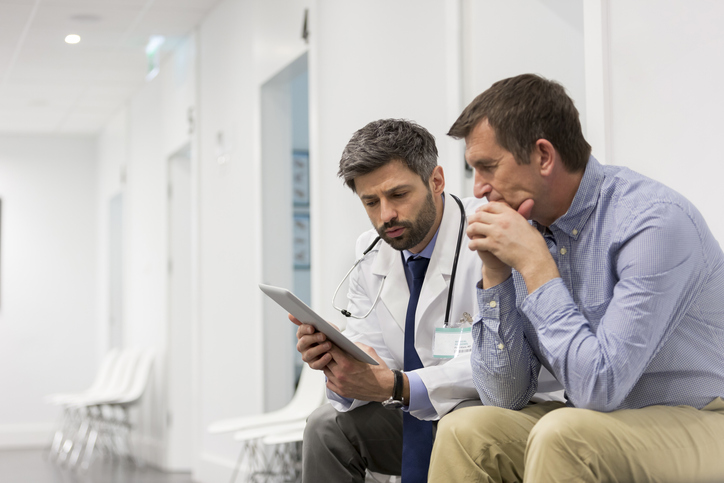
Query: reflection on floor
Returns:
{"type": "Point", "coordinates": [30, 466]}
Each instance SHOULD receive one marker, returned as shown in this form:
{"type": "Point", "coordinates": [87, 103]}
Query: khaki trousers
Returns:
{"type": "Point", "coordinates": [548, 442]}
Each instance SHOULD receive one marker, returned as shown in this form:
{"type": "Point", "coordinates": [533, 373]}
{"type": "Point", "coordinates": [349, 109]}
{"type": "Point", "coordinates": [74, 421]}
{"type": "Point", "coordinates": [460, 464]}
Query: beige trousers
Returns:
{"type": "Point", "coordinates": [548, 442]}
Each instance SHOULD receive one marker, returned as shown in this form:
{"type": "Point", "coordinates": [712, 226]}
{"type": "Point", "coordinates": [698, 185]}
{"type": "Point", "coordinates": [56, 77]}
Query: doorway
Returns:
{"type": "Point", "coordinates": [115, 272]}
{"type": "Point", "coordinates": [179, 427]}
{"type": "Point", "coordinates": [286, 243]}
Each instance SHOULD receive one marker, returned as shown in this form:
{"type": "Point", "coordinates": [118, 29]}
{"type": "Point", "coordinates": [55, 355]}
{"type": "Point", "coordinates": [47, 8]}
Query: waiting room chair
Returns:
{"type": "Point", "coordinates": [101, 381]}
{"type": "Point", "coordinates": [100, 415]}
{"type": "Point", "coordinates": [309, 395]}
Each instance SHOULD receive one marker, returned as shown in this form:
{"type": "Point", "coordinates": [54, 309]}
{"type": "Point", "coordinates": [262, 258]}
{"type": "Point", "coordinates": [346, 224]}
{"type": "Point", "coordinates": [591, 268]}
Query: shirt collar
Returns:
{"type": "Point", "coordinates": [573, 221]}
{"type": "Point", "coordinates": [426, 253]}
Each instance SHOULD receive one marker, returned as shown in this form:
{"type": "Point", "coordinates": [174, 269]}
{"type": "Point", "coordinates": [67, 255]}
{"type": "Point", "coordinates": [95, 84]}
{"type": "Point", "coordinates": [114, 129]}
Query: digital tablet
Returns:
{"type": "Point", "coordinates": [301, 311]}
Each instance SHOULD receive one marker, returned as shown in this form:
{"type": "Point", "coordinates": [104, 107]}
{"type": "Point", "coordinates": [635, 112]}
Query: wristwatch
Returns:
{"type": "Point", "coordinates": [395, 401]}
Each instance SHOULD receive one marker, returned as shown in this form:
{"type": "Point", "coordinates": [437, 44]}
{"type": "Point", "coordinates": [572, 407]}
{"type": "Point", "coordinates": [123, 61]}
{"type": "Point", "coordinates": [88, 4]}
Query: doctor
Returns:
{"type": "Point", "coordinates": [392, 166]}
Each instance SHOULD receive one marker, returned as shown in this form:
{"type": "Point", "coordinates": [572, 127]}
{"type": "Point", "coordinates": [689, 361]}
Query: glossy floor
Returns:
{"type": "Point", "coordinates": [30, 466]}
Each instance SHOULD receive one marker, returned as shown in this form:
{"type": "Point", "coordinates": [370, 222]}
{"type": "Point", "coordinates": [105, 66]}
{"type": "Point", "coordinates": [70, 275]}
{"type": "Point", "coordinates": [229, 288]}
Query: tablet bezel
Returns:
{"type": "Point", "coordinates": [291, 303]}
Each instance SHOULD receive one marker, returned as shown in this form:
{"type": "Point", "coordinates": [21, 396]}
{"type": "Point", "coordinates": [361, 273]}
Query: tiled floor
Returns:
{"type": "Point", "coordinates": [30, 466]}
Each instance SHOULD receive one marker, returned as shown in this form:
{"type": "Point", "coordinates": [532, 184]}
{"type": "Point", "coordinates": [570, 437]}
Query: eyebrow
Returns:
{"type": "Point", "coordinates": [387, 192]}
{"type": "Point", "coordinates": [482, 162]}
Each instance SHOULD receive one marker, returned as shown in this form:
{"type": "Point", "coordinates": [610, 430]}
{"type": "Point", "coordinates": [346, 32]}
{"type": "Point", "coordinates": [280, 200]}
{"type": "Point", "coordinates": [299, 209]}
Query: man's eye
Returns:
{"type": "Point", "coordinates": [370, 203]}
{"type": "Point", "coordinates": [400, 195]}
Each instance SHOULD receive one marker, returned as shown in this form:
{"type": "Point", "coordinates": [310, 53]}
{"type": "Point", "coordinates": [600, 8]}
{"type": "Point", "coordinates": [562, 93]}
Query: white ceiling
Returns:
{"type": "Point", "coordinates": [48, 86]}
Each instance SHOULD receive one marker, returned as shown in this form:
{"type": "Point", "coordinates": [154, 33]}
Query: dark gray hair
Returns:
{"type": "Point", "coordinates": [386, 140]}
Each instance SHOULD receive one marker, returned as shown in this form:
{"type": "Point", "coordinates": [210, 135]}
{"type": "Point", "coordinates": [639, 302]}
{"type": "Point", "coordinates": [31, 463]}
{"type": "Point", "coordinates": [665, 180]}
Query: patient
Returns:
{"type": "Point", "coordinates": [616, 285]}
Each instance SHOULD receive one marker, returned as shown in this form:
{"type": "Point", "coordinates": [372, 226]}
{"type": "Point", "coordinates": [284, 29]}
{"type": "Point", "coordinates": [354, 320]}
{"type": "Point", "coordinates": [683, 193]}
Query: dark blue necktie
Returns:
{"type": "Point", "coordinates": [416, 434]}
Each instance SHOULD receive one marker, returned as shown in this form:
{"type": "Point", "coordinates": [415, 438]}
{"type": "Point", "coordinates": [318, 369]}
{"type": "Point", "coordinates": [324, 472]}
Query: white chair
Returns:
{"type": "Point", "coordinates": [310, 394]}
{"type": "Point", "coordinates": [101, 381]}
{"type": "Point", "coordinates": [112, 421]}
{"type": "Point", "coordinates": [260, 465]}
{"type": "Point", "coordinates": [120, 382]}
{"type": "Point", "coordinates": [85, 409]}
{"type": "Point", "coordinates": [284, 462]}
{"type": "Point", "coordinates": [126, 378]}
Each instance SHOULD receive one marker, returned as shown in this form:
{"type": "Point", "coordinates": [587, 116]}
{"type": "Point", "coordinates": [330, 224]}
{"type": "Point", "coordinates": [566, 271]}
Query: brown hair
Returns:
{"type": "Point", "coordinates": [523, 109]}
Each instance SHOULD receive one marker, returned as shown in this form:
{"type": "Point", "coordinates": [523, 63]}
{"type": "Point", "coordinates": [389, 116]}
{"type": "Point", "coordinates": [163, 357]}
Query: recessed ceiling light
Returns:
{"type": "Point", "coordinates": [72, 39]}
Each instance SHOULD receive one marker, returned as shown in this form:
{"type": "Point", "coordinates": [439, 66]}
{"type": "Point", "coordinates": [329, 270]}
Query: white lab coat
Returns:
{"type": "Point", "coordinates": [448, 381]}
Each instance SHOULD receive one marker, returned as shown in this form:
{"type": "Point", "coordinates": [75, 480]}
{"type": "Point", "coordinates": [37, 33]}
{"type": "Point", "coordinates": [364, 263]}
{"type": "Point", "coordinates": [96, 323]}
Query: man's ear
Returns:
{"type": "Point", "coordinates": [437, 180]}
{"type": "Point", "coordinates": [547, 156]}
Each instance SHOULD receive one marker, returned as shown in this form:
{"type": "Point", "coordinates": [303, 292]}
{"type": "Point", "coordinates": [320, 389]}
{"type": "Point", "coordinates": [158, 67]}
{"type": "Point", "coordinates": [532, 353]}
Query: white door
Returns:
{"type": "Point", "coordinates": [180, 329]}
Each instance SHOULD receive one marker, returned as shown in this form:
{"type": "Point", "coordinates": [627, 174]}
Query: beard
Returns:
{"type": "Point", "coordinates": [415, 230]}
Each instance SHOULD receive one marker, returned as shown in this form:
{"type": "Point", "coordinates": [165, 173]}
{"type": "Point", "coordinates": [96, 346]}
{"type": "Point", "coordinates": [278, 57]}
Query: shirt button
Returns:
{"type": "Point", "coordinates": [563, 251]}
{"type": "Point", "coordinates": [501, 346]}
{"type": "Point", "coordinates": [575, 232]}
{"type": "Point", "coordinates": [493, 304]}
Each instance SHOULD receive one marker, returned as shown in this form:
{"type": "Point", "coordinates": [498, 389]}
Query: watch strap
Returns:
{"type": "Point", "coordinates": [395, 401]}
{"type": "Point", "coordinates": [399, 383]}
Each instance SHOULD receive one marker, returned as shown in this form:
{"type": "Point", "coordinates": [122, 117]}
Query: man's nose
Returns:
{"type": "Point", "coordinates": [387, 211]}
{"type": "Point", "coordinates": [481, 188]}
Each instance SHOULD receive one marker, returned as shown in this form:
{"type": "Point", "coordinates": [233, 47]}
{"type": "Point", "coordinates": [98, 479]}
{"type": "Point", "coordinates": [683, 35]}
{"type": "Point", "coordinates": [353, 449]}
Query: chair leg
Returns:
{"type": "Point", "coordinates": [89, 448]}
{"type": "Point", "coordinates": [249, 452]}
{"type": "Point", "coordinates": [79, 442]}
{"type": "Point", "coordinates": [70, 431]}
{"type": "Point", "coordinates": [65, 451]}
{"type": "Point", "coordinates": [283, 465]}
{"type": "Point", "coordinates": [237, 466]}
{"type": "Point", "coordinates": [57, 442]}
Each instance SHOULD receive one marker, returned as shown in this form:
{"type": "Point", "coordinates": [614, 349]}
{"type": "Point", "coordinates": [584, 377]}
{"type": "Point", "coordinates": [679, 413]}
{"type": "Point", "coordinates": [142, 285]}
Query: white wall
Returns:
{"type": "Point", "coordinates": [111, 178]}
{"type": "Point", "coordinates": [420, 60]}
{"type": "Point", "coordinates": [229, 314]}
{"type": "Point", "coordinates": [133, 151]}
{"type": "Point", "coordinates": [48, 296]}
{"type": "Point", "coordinates": [666, 96]}
{"type": "Point", "coordinates": [503, 39]}
{"type": "Point", "coordinates": [241, 46]}
{"type": "Point", "coordinates": [369, 60]}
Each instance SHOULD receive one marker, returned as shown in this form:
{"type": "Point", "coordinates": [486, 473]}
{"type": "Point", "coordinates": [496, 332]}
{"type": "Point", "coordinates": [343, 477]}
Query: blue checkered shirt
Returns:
{"type": "Point", "coordinates": [636, 317]}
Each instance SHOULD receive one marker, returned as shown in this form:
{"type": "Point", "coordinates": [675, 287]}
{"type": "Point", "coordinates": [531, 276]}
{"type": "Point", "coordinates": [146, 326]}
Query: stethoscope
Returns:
{"type": "Point", "coordinates": [463, 223]}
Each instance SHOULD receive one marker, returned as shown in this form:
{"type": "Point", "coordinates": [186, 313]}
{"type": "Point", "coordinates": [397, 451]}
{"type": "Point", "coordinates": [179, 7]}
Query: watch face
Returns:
{"type": "Point", "coordinates": [392, 404]}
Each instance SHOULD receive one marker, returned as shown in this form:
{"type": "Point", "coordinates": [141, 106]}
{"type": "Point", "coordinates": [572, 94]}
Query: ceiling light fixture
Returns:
{"type": "Point", "coordinates": [153, 55]}
{"type": "Point", "coordinates": [72, 39]}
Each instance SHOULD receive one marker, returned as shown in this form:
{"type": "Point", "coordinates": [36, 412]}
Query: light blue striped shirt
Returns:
{"type": "Point", "coordinates": [636, 317]}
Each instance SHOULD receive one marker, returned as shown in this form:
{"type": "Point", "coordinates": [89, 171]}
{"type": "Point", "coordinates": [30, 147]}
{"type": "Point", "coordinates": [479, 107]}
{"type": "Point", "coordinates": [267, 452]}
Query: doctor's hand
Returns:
{"type": "Point", "coordinates": [313, 345]}
{"type": "Point", "coordinates": [504, 239]}
{"type": "Point", "coordinates": [351, 378]}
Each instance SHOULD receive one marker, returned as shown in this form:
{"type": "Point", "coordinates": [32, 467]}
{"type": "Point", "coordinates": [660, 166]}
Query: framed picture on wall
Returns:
{"type": "Point", "coordinates": [301, 245]}
{"type": "Point", "coordinates": [300, 178]}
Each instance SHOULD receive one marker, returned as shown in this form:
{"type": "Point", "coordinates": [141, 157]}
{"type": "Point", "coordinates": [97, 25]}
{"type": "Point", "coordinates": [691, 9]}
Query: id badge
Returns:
{"type": "Point", "coordinates": [450, 342]}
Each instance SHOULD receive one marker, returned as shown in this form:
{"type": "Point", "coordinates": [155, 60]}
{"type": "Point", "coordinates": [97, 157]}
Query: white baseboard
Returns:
{"type": "Point", "coordinates": [24, 436]}
{"type": "Point", "coordinates": [149, 449]}
{"type": "Point", "coordinates": [214, 469]}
